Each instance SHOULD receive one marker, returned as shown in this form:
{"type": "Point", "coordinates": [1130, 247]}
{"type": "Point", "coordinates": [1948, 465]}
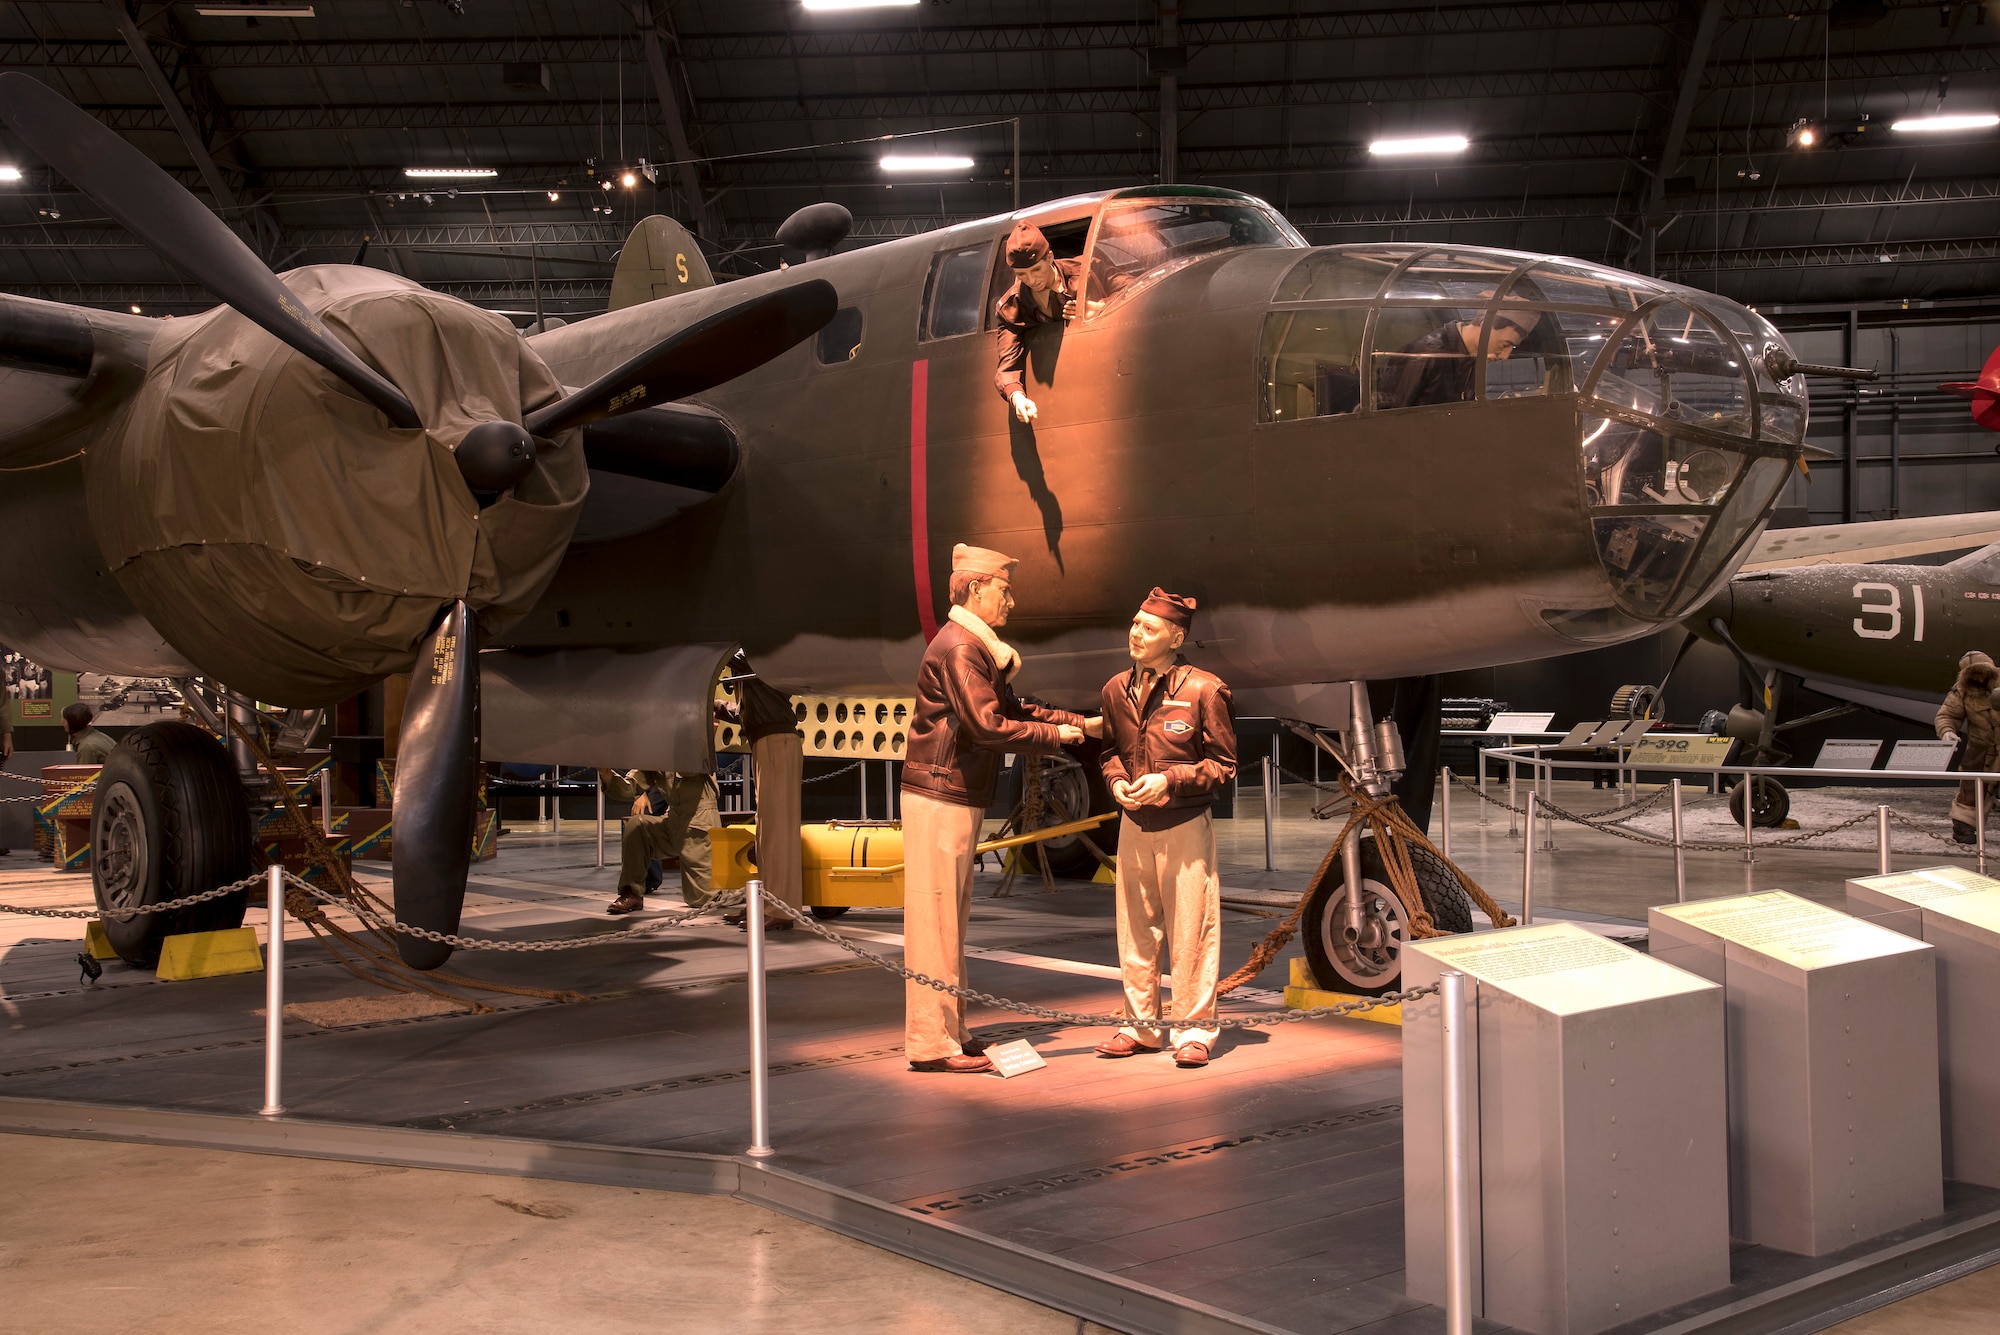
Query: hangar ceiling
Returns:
{"type": "Point", "coordinates": [1652, 134]}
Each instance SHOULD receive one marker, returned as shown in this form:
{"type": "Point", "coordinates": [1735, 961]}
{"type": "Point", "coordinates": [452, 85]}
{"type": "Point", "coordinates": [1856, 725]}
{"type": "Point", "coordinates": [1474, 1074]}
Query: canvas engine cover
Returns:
{"type": "Point", "coordinates": [282, 534]}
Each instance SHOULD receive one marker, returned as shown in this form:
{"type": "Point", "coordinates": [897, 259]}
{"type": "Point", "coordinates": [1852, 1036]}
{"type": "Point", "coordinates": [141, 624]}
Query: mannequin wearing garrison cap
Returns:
{"type": "Point", "coordinates": [966, 716]}
{"type": "Point", "coordinates": [1169, 748]}
{"type": "Point", "coordinates": [1045, 291]}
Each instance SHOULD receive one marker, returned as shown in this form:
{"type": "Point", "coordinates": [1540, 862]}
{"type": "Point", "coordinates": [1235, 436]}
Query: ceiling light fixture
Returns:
{"type": "Point", "coordinates": [1421, 144]}
{"type": "Point", "coordinates": [924, 162]}
{"type": "Point", "coordinates": [10, 173]}
{"type": "Point", "coordinates": [628, 180]}
{"type": "Point", "coordinates": [255, 11]}
{"type": "Point", "coordinates": [137, 311]}
{"type": "Point", "coordinates": [858, 4]}
{"type": "Point", "coordinates": [450, 173]}
{"type": "Point", "coordinates": [1945, 124]}
{"type": "Point", "coordinates": [554, 196]}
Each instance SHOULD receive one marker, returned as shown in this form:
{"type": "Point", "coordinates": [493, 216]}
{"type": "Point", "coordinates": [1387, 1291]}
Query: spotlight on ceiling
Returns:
{"type": "Point", "coordinates": [1944, 124]}
{"type": "Point", "coordinates": [924, 162]}
{"type": "Point", "coordinates": [449, 173]}
{"type": "Point", "coordinates": [628, 180]}
{"type": "Point", "coordinates": [1420, 145]}
{"type": "Point", "coordinates": [858, 4]}
{"type": "Point", "coordinates": [10, 173]}
{"type": "Point", "coordinates": [137, 311]}
{"type": "Point", "coordinates": [1804, 133]}
{"type": "Point", "coordinates": [554, 195]}
{"type": "Point", "coordinates": [605, 184]}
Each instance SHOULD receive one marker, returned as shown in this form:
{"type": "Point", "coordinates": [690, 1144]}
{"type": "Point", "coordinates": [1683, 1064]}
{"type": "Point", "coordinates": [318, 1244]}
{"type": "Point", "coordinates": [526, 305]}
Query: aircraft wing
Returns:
{"type": "Point", "coordinates": [1876, 540]}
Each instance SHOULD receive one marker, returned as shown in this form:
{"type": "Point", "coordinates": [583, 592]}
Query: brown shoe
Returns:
{"type": "Point", "coordinates": [627, 903]}
{"type": "Point", "coordinates": [961, 1063]}
{"type": "Point", "coordinates": [973, 1047]}
{"type": "Point", "coordinates": [1122, 1045]}
{"type": "Point", "coordinates": [1191, 1055]}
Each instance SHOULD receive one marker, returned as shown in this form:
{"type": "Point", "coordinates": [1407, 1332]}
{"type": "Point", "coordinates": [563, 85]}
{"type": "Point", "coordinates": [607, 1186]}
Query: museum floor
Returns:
{"type": "Point", "coordinates": [1264, 1189]}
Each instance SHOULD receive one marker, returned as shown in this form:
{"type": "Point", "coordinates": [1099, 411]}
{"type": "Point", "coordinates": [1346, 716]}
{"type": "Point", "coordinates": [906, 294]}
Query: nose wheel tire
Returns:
{"type": "Point", "coordinates": [1373, 963]}
{"type": "Point", "coordinates": [1769, 803]}
{"type": "Point", "coordinates": [169, 819]}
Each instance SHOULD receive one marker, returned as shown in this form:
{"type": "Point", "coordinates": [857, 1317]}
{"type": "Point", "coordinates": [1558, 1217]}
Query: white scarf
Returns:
{"type": "Point", "coordinates": [1003, 653]}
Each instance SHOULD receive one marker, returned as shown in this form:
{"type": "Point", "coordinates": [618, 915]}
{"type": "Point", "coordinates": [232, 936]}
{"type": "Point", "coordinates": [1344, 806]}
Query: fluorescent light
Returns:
{"type": "Point", "coordinates": [1941, 124]}
{"type": "Point", "coordinates": [918, 162]}
{"type": "Point", "coordinates": [858, 4]}
{"type": "Point", "coordinates": [1435, 143]}
{"type": "Point", "coordinates": [449, 173]}
{"type": "Point", "coordinates": [255, 11]}
{"type": "Point", "coordinates": [10, 173]}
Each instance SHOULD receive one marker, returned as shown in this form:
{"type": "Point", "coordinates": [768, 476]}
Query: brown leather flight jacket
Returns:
{"type": "Point", "coordinates": [1182, 729]}
{"type": "Point", "coordinates": [966, 716]}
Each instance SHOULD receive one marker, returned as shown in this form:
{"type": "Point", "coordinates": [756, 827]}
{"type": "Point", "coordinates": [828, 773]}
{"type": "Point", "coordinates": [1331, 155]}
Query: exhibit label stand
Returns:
{"type": "Point", "coordinates": [1599, 1176]}
{"type": "Point", "coordinates": [1832, 1066]}
{"type": "Point", "coordinates": [1956, 911]}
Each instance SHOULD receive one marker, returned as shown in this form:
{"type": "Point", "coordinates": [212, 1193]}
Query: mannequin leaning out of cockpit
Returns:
{"type": "Point", "coordinates": [1437, 367]}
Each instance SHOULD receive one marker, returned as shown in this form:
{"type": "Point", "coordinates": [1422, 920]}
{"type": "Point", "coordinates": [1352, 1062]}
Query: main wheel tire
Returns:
{"type": "Point", "coordinates": [1769, 804]}
{"type": "Point", "coordinates": [1077, 782]}
{"type": "Point", "coordinates": [169, 819]}
{"type": "Point", "coordinates": [825, 911]}
{"type": "Point", "coordinates": [1374, 964]}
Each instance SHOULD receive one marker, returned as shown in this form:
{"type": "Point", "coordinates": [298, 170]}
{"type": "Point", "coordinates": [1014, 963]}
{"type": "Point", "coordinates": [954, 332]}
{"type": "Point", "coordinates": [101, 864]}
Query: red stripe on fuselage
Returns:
{"type": "Point", "coordinates": [920, 518]}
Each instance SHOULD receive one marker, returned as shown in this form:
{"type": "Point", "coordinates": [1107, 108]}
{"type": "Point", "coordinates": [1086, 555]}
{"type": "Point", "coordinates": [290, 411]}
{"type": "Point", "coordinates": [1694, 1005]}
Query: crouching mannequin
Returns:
{"type": "Point", "coordinates": [966, 715]}
{"type": "Point", "coordinates": [1170, 747]}
{"type": "Point", "coordinates": [1968, 715]}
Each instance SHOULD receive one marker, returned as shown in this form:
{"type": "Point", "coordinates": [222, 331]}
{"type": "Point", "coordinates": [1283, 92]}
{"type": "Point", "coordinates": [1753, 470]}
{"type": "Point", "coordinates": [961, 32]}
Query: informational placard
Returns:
{"type": "Point", "coordinates": [1580, 734]}
{"type": "Point", "coordinates": [1696, 752]}
{"type": "Point", "coordinates": [1510, 724]}
{"type": "Point", "coordinates": [1856, 753]}
{"type": "Point", "coordinates": [1015, 1057]}
{"type": "Point", "coordinates": [1794, 931]}
{"type": "Point", "coordinates": [1920, 754]}
{"type": "Point", "coordinates": [1600, 1175]}
{"type": "Point", "coordinates": [1833, 1066]}
{"type": "Point", "coordinates": [1930, 883]}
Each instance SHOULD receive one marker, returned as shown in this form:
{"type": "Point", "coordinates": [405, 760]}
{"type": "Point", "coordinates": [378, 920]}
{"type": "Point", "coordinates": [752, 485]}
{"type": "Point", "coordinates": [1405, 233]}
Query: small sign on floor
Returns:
{"type": "Point", "coordinates": [1017, 1057]}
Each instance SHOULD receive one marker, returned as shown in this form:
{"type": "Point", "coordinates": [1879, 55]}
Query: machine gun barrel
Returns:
{"type": "Point", "coordinates": [1782, 366]}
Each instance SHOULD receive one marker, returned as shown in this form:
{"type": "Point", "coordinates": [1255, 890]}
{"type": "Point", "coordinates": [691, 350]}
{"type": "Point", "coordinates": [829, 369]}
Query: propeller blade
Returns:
{"type": "Point", "coordinates": [152, 206]}
{"type": "Point", "coordinates": [437, 782]}
{"type": "Point", "coordinates": [707, 353]}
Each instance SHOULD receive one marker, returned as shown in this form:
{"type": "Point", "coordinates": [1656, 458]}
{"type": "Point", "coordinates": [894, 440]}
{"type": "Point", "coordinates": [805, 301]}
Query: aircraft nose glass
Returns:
{"type": "Point", "coordinates": [1682, 456]}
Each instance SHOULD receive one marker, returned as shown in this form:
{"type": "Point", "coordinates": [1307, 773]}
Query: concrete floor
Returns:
{"type": "Point", "coordinates": [111, 1237]}
{"type": "Point", "coordinates": [1969, 1306]}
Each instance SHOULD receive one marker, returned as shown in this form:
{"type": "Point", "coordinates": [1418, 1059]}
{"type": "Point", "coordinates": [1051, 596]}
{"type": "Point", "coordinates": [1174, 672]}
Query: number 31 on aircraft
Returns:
{"type": "Point", "coordinates": [1892, 609]}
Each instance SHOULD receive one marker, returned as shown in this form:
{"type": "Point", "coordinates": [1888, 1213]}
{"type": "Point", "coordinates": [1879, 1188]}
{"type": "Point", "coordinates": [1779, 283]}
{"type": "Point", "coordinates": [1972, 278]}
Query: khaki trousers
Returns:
{"type": "Point", "coordinates": [682, 832]}
{"type": "Point", "coordinates": [1169, 899]}
{"type": "Point", "coordinates": [1965, 803]}
{"type": "Point", "coordinates": [938, 839]}
{"type": "Point", "coordinates": [780, 761]}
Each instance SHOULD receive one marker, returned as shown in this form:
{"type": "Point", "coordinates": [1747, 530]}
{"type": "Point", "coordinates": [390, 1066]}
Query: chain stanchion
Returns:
{"type": "Point", "coordinates": [326, 799]}
{"type": "Point", "coordinates": [1979, 822]}
{"type": "Point", "coordinates": [600, 820]}
{"type": "Point", "coordinates": [1882, 841]}
{"type": "Point", "coordinates": [760, 1039]}
{"type": "Point", "coordinates": [274, 992]}
{"type": "Point", "coordinates": [1680, 851]}
{"type": "Point", "coordinates": [1444, 814]}
{"type": "Point", "coordinates": [1459, 1225]}
{"type": "Point", "coordinates": [1270, 817]}
{"type": "Point", "coordinates": [1483, 798]}
{"type": "Point", "coordinates": [1749, 815]}
{"type": "Point", "coordinates": [1528, 866]}
{"type": "Point", "coordinates": [1513, 797]}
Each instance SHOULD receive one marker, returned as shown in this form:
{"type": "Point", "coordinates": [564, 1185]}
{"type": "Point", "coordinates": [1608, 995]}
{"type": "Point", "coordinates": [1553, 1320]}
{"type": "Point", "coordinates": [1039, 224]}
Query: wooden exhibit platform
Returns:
{"type": "Point", "coordinates": [1261, 1193]}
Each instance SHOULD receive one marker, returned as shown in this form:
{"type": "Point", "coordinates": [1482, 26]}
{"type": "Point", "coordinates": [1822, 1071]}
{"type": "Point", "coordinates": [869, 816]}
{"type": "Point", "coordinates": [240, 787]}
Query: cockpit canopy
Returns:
{"type": "Point", "coordinates": [1686, 438]}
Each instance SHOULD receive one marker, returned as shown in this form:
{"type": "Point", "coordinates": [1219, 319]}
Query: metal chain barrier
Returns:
{"type": "Point", "coordinates": [126, 915]}
{"type": "Point", "coordinates": [1637, 808]}
{"type": "Point", "coordinates": [720, 902]}
{"type": "Point", "coordinates": [1654, 841]}
{"type": "Point", "coordinates": [1101, 1021]}
{"type": "Point", "coordinates": [836, 774]}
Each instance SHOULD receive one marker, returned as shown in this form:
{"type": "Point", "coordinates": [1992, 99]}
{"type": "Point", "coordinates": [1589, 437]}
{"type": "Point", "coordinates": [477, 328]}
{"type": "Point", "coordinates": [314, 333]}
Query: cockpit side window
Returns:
{"type": "Point", "coordinates": [1140, 241]}
{"type": "Point", "coordinates": [951, 293]}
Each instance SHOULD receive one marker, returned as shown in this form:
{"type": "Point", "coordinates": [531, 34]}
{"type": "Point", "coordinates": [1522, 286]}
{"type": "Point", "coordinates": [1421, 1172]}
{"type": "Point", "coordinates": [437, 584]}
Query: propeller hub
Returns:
{"type": "Point", "coordinates": [495, 456]}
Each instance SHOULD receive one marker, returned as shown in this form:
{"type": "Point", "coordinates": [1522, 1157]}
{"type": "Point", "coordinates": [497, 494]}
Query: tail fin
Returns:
{"type": "Point", "coordinates": [660, 259]}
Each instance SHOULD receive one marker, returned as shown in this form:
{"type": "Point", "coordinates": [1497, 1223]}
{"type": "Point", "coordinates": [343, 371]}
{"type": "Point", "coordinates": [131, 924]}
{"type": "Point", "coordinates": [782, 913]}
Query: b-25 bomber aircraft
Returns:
{"type": "Point", "coordinates": [339, 475]}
